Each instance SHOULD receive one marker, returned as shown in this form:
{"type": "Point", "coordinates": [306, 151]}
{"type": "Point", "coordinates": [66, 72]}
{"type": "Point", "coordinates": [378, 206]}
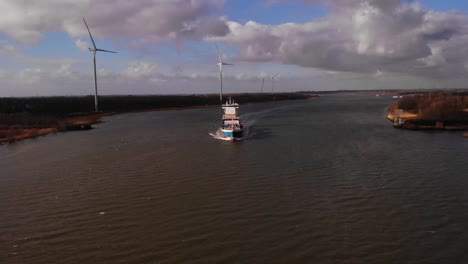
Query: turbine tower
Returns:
{"type": "Point", "coordinates": [220, 64]}
{"type": "Point", "coordinates": [273, 81]}
{"type": "Point", "coordinates": [94, 50]}
{"type": "Point", "coordinates": [263, 82]}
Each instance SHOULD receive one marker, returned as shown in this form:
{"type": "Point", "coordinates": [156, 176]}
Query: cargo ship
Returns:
{"type": "Point", "coordinates": [231, 126]}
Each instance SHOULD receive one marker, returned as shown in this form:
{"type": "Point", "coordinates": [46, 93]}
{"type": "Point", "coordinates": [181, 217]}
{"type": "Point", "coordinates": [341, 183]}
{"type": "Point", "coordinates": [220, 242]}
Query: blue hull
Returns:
{"type": "Point", "coordinates": [232, 134]}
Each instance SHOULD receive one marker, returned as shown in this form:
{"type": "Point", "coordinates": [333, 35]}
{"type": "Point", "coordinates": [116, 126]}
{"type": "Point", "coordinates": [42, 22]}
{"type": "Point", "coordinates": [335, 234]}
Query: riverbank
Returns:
{"type": "Point", "coordinates": [16, 127]}
{"type": "Point", "coordinates": [23, 118]}
{"type": "Point", "coordinates": [403, 119]}
{"type": "Point", "coordinates": [437, 111]}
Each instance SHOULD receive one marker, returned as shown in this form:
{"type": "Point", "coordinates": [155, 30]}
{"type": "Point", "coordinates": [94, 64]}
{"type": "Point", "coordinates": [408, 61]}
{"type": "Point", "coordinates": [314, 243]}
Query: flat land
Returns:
{"type": "Point", "coordinates": [441, 110]}
{"type": "Point", "coordinates": [22, 118]}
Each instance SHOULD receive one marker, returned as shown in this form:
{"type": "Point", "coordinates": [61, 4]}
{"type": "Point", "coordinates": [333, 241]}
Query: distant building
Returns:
{"type": "Point", "coordinates": [399, 121]}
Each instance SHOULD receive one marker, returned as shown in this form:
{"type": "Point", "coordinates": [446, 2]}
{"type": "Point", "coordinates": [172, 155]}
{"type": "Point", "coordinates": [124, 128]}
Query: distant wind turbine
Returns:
{"type": "Point", "coordinates": [94, 50]}
{"type": "Point", "coordinates": [263, 82]}
{"type": "Point", "coordinates": [220, 64]}
{"type": "Point", "coordinates": [273, 81]}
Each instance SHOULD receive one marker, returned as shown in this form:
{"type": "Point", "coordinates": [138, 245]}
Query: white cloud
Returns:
{"type": "Point", "coordinates": [156, 80]}
{"type": "Point", "coordinates": [29, 75]}
{"type": "Point", "coordinates": [65, 70]}
{"type": "Point", "coordinates": [360, 36]}
{"type": "Point", "coordinates": [378, 73]}
{"type": "Point", "coordinates": [82, 45]}
{"type": "Point", "coordinates": [140, 69]}
{"type": "Point", "coordinates": [435, 59]}
{"type": "Point", "coordinates": [104, 73]}
{"type": "Point", "coordinates": [151, 21]}
{"type": "Point", "coordinates": [342, 49]}
{"type": "Point", "coordinates": [7, 49]}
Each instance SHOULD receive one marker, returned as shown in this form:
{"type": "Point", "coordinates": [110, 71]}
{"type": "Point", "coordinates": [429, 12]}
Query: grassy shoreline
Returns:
{"type": "Point", "coordinates": [32, 126]}
{"type": "Point", "coordinates": [431, 111]}
{"type": "Point", "coordinates": [23, 118]}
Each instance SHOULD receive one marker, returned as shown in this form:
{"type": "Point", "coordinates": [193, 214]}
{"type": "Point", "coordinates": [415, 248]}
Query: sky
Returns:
{"type": "Point", "coordinates": [171, 46]}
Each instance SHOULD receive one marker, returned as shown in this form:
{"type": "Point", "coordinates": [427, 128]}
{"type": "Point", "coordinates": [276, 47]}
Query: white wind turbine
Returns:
{"type": "Point", "coordinates": [94, 50]}
{"type": "Point", "coordinates": [263, 82]}
{"type": "Point", "coordinates": [220, 64]}
{"type": "Point", "coordinates": [273, 81]}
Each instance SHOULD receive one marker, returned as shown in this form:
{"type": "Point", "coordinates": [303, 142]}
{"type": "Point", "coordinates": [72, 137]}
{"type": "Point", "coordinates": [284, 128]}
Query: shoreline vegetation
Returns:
{"type": "Point", "coordinates": [431, 111]}
{"type": "Point", "coordinates": [23, 118]}
{"type": "Point", "coordinates": [29, 117]}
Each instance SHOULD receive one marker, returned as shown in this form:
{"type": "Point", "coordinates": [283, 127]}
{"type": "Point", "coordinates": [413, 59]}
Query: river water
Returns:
{"type": "Point", "coordinates": [317, 181]}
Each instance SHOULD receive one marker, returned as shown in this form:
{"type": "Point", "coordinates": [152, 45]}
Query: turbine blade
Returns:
{"type": "Point", "coordinates": [103, 50]}
{"type": "Point", "coordinates": [92, 40]}
{"type": "Point", "coordinates": [224, 63]}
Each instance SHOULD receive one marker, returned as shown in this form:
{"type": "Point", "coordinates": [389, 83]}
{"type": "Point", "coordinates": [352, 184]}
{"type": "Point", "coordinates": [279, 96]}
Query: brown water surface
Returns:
{"type": "Point", "coordinates": [318, 181]}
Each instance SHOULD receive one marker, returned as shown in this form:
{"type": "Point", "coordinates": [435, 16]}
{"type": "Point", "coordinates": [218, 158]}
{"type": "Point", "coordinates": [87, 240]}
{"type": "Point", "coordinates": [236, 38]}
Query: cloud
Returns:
{"type": "Point", "coordinates": [65, 70]}
{"type": "Point", "coordinates": [140, 69]}
{"type": "Point", "coordinates": [30, 75]}
{"type": "Point", "coordinates": [82, 45]}
{"type": "Point", "coordinates": [360, 36]}
{"type": "Point", "coordinates": [151, 20]}
{"type": "Point", "coordinates": [381, 4]}
{"type": "Point", "coordinates": [357, 44]}
{"type": "Point", "coordinates": [378, 73]}
{"type": "Point", "coordinates": [7, 49]}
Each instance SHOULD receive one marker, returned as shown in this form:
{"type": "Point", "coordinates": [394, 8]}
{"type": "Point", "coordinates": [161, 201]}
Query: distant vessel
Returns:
{"type": "Point", "coordinates": [231, 126]}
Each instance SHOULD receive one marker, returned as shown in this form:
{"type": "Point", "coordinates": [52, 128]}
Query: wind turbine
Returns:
{"type": "Point", "coordinates": [273, 81]}
{"type": "Point", "coordinates": [263, 82]}
{"type": "Point", "coordinates": [94, 50]}
{"type": "Point", "coordinates": [220, 64]}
